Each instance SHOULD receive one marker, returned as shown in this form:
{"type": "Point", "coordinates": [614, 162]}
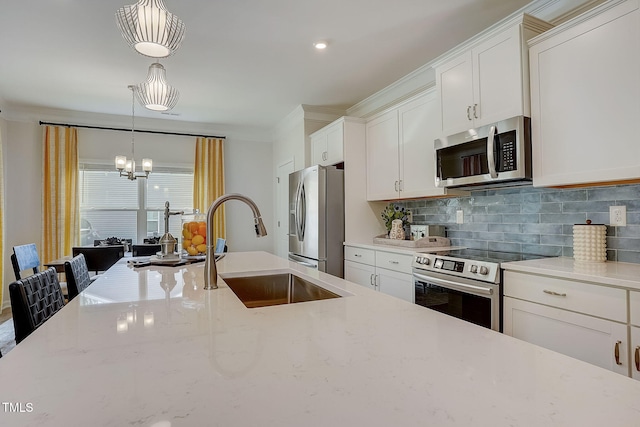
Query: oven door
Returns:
{"type": "Point", "coordinates": [474, 301]}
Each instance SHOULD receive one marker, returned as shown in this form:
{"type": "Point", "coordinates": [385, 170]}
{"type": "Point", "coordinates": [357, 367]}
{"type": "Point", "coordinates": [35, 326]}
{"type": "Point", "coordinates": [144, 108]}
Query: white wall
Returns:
{"type": "Point", "coordinates": [248, 170]}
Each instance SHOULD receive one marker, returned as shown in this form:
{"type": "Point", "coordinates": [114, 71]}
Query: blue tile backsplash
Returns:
{"type": "Point", "coordinates": [535, 221]}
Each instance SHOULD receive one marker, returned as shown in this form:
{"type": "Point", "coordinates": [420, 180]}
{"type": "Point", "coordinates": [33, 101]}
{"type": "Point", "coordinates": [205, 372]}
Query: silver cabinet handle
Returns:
{"type": "Point", "coordinates": [616, 352]}
{"type": "Point", "coordinates": [357, 255]}
{"type": "Point", "coordinates": [393, 262]}
{"type": "Point", "coordinates": [401, 185]}
{"type": "Point", "coordinates": [396, 186]}
{"type": "Point", "coordinates": [469, 112]}
{"type": "Point", "coordinates": [558, 294]}
{"type": "Point", "coordinates": [637, 358]}
{"type": "Point", "coordinates": [475, 111]}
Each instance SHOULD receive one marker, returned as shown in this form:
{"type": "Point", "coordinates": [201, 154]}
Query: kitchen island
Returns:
{"type": "Point", "coordinates": [150, 347]}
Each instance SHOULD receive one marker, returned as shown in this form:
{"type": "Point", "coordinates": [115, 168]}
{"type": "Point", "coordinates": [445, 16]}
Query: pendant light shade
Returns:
{"type": "Point", "coordinates": [154, 93]}
{"type": "Point", "coordinates": [150, 28]}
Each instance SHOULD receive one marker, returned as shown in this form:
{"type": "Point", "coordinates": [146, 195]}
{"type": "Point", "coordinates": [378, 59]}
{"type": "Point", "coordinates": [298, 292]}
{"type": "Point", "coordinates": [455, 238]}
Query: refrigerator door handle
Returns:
{"type": "Point", "coordinates": [303, 211]}
{"type": "Point", "coordinates": [297, 212]}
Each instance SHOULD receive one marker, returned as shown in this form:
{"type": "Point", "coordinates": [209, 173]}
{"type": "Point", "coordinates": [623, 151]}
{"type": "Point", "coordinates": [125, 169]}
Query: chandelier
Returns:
{"type": "Point", "coordinates": [127, 167]}
{"type": "Point", "coordinates": [150, 28]}
{"type": "Point", "coordinates": [155, 93]}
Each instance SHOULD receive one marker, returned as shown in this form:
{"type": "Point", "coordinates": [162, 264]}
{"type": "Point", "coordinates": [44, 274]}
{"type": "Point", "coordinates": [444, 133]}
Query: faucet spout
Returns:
{"type": "Point", "coordinates": [210, 269]}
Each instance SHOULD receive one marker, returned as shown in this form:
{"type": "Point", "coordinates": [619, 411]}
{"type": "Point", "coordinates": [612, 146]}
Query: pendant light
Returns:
{"type": "Point", "coordinates": [155, 93]}
{"type": "Point", "coordinates": [150, 28]}
{"type": "Point", "coordinates": [126, 167]}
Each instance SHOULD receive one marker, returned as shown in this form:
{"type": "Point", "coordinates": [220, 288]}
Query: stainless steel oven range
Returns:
{"type": "Point", "coordinates": [459, 286]}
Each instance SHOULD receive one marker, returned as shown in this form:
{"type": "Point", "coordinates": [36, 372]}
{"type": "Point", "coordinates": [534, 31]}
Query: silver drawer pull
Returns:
{"type": "Point", "coordinates": [357, 255]}
{"type": "Point", "coordinates": [637, 358]}
{"type": "Point", "coordinates": [394, 262]}
{"type": "Point", "coordinates": [554, 293]}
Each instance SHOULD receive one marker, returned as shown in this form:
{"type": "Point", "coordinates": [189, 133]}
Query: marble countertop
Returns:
{"type": "Point", "coordinates": [619, 274]}
{"type": "Point", "coordinates": [150, 347]}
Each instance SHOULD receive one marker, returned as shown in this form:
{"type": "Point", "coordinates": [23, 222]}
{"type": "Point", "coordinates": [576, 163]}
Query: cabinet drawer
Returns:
{"type": "Point", "coordinates": [365, 256]}
{"type": "Point", "coordinates": [594, 300]}
{"type": "Point", "coordinates": [394, 261]}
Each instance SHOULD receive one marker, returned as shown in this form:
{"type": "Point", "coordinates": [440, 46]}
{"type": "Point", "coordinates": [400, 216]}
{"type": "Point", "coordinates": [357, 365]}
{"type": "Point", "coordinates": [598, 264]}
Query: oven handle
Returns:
{"type": "Point", "coordinates": [463, 287]}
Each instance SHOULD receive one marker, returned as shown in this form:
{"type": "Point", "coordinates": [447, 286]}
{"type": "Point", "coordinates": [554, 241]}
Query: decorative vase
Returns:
{"type": "Point", "coordinates": [397, 231]}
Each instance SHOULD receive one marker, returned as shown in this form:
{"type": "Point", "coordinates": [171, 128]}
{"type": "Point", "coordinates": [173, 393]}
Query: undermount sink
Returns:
{"type": "Point", "coordinates": [276, 289]}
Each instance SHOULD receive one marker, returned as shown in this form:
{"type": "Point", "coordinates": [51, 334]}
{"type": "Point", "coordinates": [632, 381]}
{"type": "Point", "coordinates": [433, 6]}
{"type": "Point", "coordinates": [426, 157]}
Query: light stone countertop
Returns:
{"type": "Point", "coordinates": [619, 274]}
{"type": "Point", "coordinates": [150, 347]}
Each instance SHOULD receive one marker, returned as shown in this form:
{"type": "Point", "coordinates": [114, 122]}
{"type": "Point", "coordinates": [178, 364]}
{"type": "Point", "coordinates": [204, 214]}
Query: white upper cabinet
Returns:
{"type": "Point", "coordinates": [488, 81]}
{"type": "Point", "coordinates": [400, 152]}
{"type": "Point", "coordinates": [327, 144]}
{"type": "Point", "coordinates": [585, 98]}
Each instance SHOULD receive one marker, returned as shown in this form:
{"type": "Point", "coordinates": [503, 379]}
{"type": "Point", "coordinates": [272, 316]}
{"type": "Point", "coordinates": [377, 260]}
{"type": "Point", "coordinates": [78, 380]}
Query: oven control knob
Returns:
{"type": "Point", "coordinates": [484, 270]}
{"type": "Point", "coordinates": [474, 269]}
{"type": "Point", "coordinates": [425, 261]}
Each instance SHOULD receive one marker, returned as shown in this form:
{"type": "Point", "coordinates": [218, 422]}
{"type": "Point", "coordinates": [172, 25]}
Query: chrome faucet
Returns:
{"type": "Point", "coordinates": [210, 269]}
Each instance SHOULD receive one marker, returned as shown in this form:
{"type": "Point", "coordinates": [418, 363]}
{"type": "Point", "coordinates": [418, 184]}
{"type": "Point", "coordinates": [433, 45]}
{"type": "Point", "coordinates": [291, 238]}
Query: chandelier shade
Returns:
{"type": "Point", "coordinates": [150, 28]}
{"type": "Point", "coordinates": [155, 93]}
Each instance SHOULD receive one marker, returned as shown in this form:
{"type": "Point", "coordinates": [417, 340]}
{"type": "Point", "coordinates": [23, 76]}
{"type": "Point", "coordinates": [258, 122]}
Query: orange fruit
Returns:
{"type": "Point", "coordinates": [197, 240]}
{"type": "Point", "coordinates": [186, 243]}
{"type": "Point", "coordinates": [192, 251]}
{"type": "Point", "coordinates": [202, 228]}
{"type": "Point", "coordinates": [193, 227]}
{"type": "Point", "coordinates": [202, 248]}
{"type": "Point", "coordinates": [186, 234]}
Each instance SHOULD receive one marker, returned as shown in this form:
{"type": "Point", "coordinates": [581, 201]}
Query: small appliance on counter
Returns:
{"type": "Point", "coordinates": [418, 231]}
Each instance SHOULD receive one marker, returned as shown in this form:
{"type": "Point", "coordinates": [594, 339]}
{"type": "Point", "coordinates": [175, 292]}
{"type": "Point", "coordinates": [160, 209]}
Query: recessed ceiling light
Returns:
{"type": "Point", "coordinates": [320, 45]}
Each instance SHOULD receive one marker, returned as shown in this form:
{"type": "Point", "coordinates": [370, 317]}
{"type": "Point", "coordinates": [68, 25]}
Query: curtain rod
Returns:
{"type": "Point", "coordinates": [129, 130]}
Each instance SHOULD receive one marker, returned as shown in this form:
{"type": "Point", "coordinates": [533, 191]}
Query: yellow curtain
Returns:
{"type": "Point", "coordinates": [1, 222]}
{"type": "Point", "coordinates": [60, 205]}
{"type": "Point", "coordinates": [208, 180]}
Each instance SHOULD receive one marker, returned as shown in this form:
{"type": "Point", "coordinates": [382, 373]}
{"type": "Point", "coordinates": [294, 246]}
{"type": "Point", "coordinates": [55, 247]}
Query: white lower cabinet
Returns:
{"type": "Point", "coordinates": [596, 341]}
{"type": "Point", "coordinates": [386, 272]}
{"type": "Point", "coordinates": [582, 320]}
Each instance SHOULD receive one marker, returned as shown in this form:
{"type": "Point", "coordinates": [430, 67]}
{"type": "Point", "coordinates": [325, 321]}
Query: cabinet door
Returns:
{"type": "Point", "coordinates": [382, 157]}
{"type": "Point", "coordinates": [418, 121]}
{"type": "Point", "coordinates": [335, 144]}
{"type": "Point", "coordinates": [498, 79]}
{"type": "Point", "coordinates": [455, 94]}
{"type": "Point", "coordinates": [590, 339]}
{"type": "Point", "coordinates": [399, 285]}
{"type": "Point", "coordinates": [584, 99]}
{"type": "Point", "coordinates": [361, 274]}
{"type": "Point", "coordinates": [318, 148]}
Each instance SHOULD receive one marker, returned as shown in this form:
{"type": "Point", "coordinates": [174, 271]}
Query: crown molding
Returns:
{"type": "Point", "coordinates": [541, 13]}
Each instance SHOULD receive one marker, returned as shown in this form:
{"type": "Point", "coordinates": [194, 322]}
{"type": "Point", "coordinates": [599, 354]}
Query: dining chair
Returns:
{"type": "Point", "coordinates": [25, 257]}
{"type": "Point", "coordinates": [99, 258]}
{"type": "Point", "coordinates": [145, 250]}
{"type": "Point", "coordinates": [77, 274]}
{"type": "Point", "coordinates": [34, 300]}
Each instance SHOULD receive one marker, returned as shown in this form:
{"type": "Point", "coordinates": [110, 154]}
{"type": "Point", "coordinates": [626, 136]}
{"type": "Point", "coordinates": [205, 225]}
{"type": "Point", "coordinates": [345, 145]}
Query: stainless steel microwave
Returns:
{"type": "Point", "coordinates": [498, 154]}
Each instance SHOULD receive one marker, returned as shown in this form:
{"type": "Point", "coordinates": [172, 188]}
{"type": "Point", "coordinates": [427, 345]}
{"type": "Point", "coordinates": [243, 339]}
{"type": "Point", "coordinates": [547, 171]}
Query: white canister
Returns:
{"type": "Point", "coordinates": [590, 242]}
{"type": "Point", "coordinates": [397, 230]}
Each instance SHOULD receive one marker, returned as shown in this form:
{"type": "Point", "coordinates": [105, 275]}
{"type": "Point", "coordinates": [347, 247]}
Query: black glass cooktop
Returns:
{"type": "Point", "coordinates": [490, 256]}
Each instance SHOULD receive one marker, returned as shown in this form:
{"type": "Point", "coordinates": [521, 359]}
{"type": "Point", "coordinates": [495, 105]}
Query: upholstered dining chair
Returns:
{"type": "Point", "coordinates": [99, 258]}
{"type": "Point", "coordinates": [34, 300]}
{"type": "Point", "coordinates": [25, 257]}
{"type": "Point", "coordinates": [77, 274]}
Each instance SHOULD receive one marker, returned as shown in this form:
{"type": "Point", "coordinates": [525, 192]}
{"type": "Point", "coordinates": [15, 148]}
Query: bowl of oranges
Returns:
{"type": "Point", "coordinates": [194, 237]}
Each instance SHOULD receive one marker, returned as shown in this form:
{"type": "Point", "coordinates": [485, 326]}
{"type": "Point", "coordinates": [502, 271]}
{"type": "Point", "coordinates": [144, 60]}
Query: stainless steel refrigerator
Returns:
{"type": "Point", "coordinates": [316, 218]}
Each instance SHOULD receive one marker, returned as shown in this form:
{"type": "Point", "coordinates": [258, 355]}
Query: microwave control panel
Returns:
{"type": "Point", "coordinates": [506, 156]}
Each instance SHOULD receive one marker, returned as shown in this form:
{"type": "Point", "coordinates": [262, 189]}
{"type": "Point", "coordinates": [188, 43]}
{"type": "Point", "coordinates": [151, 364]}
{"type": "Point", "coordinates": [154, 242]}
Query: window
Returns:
{"type": "Point", "coordinates": [112, 206]}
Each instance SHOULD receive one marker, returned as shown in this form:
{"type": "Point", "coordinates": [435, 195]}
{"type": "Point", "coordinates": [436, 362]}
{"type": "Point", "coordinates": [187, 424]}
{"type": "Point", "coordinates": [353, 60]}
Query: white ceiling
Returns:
{"type": "Point", "coordinates": [242, 63]}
